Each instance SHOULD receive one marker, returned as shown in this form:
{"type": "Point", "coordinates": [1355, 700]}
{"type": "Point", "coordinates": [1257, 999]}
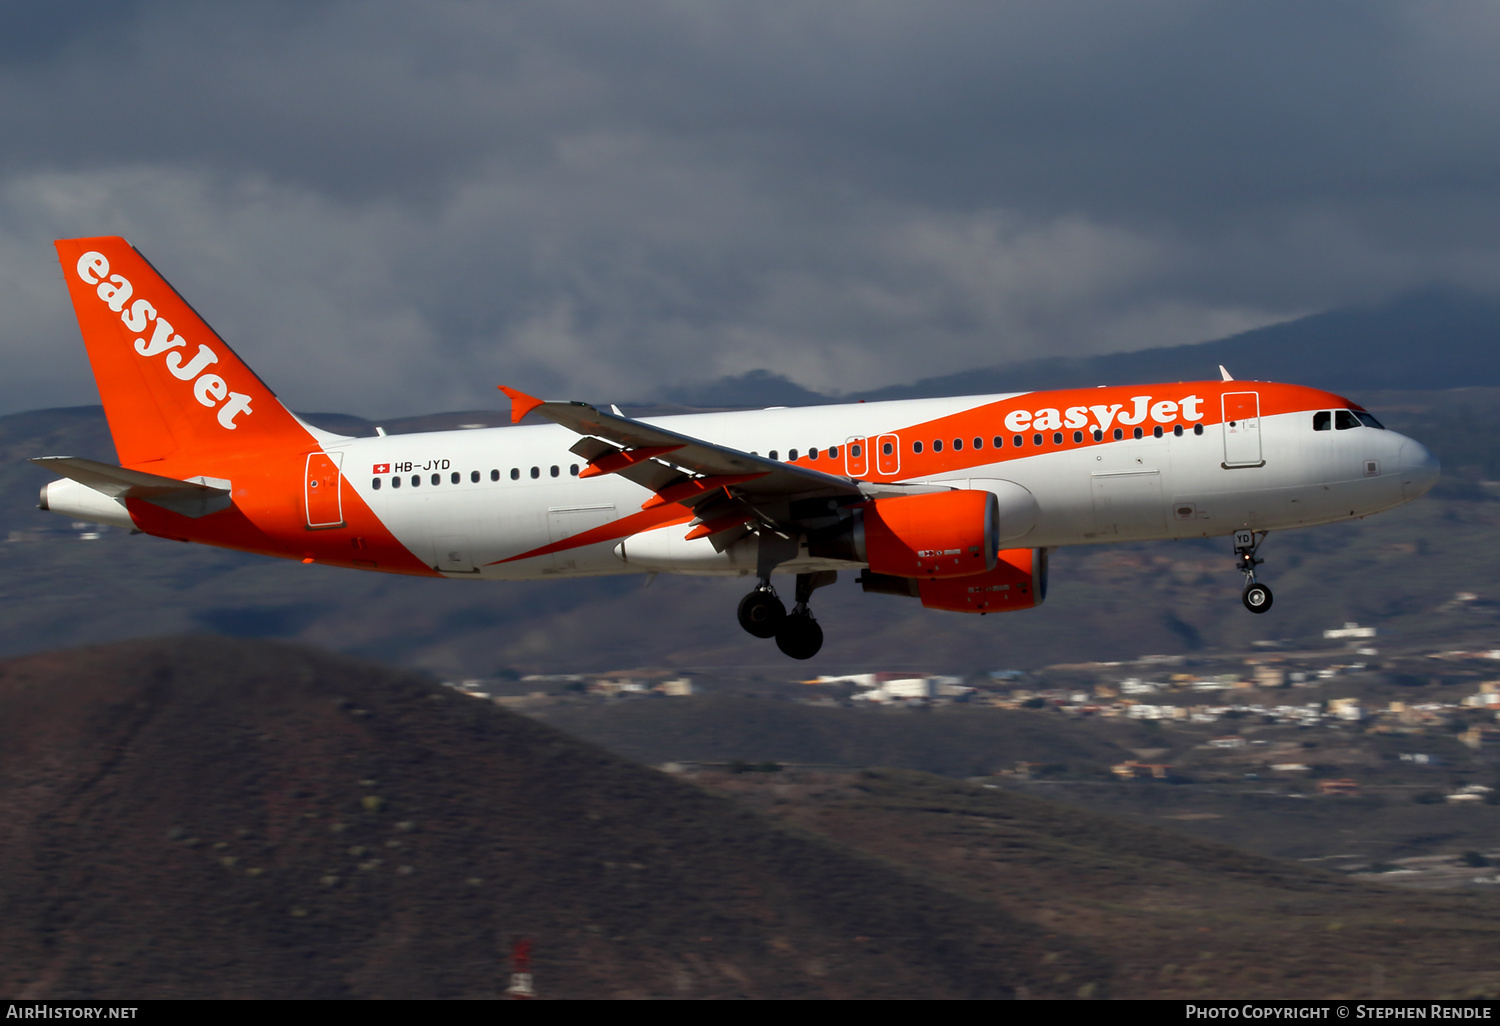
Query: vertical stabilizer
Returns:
{"type": "Point", "coordinates": [171, 387]}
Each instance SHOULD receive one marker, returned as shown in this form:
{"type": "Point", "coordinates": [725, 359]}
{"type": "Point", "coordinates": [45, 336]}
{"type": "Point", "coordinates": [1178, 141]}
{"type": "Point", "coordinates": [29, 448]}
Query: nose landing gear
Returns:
{"type": "Point", "coordinates": [1257, 597]}
{"type": "Point", "coordinates": [797, 634]}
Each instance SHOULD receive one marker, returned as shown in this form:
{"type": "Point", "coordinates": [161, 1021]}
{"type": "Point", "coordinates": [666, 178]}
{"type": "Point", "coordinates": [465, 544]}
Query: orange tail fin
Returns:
{"type": "Point", "coordinates": [170, 385]}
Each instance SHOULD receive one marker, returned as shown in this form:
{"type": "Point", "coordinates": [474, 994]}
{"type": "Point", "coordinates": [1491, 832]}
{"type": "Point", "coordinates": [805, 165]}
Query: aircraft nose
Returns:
{"type": "Point", "coordinates": [1419, 469]}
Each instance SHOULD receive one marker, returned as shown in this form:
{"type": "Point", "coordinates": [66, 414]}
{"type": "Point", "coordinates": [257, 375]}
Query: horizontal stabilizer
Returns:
{"type": "Point", "coordinates": [194, 498]}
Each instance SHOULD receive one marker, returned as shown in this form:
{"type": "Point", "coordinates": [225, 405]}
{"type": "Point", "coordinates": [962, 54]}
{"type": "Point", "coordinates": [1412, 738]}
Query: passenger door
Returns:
{"type": "Point", "coordinates": [1242, 429]}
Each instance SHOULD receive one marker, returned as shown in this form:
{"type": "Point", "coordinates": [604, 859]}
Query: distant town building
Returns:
{"type": "Point", "coordinates": [1342, 786]}
{"type": "Point", "coordinates": [1140, 770]}
{"type": "Point", "coordinates": [1227, 742]}
{"type": "Point", "coordinates": [1350, 630]}
{"type": "Point", "coordinates": [1267, 676]}
{"type": "Point", "coordinates": [1345, 709]}
{"type": "Point", "coordinates": [1481, 736]}
{"type": "Point", "coordinates": [913, 689]}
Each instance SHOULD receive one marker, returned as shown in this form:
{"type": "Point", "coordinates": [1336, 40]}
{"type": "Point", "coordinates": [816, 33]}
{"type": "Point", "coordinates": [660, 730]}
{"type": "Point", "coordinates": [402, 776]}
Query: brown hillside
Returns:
{"type": "Point", "coordinates": [1178, 918]}
{"type": "Point", "coordinates": [213, 817]}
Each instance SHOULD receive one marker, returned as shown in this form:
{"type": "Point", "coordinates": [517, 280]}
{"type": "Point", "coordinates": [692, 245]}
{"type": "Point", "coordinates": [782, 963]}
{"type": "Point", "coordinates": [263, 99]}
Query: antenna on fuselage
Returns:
{"type": "Point", "coordinates": [1224, 374]}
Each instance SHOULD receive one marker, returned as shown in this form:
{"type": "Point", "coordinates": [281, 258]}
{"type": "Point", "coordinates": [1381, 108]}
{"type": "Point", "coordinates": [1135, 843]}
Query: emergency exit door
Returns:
{"type": "Point", "coordinates": [1242, 429]}
{"type": "Point", "coordinates": [322, 490]}
{"type": "Point", "coordinates": [856, 458]}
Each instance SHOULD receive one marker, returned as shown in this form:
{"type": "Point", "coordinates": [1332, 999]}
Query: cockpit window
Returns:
{"type": "Point", "coordinates": [1368, 421]}
{"type": "Point", "coordinates": [1344, 420]}
{"type": "Point", "coordinates": [1322, 421]}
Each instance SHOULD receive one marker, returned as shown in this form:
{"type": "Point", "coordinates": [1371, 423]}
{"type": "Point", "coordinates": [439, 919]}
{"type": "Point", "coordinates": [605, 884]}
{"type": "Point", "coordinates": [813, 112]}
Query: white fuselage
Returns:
{"type": "Point", "coordinates": [527, 495]}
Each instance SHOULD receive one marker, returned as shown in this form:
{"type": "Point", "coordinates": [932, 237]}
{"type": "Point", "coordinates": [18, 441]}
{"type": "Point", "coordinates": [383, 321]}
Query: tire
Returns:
{"type": "Point", "coordinates": [1257, 598]}
{"type": "Point", "coordinates": [761, 614]}
{"type": "Point", "coordinates": [800, 636]}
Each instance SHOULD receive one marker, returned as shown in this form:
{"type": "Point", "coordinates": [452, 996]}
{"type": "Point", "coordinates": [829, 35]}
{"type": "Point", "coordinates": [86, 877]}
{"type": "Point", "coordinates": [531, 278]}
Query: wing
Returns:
{"type": "Point", "coordinates": [729, 491]}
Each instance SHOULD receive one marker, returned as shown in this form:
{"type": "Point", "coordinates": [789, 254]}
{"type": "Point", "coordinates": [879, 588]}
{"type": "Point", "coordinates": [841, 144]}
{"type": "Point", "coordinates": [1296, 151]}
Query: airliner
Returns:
{"type": "Point", "coordinates": [953, 502]}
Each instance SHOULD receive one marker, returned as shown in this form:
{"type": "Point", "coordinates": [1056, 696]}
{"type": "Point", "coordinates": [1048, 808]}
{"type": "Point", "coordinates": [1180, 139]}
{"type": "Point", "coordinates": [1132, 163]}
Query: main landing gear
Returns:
{"type": "Point", "coordinates": [797, 634]}
{"type": "Point", "coordinates": [1257, 596]}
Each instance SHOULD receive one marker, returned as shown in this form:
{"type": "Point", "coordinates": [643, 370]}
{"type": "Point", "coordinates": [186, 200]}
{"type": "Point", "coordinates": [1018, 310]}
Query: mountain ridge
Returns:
{"type": "Point", "coordinates": [1424, 340]}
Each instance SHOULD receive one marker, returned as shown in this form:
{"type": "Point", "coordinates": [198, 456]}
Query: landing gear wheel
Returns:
{"type": "Point", "coordinates": [800, 636]}
{"type": "Point", "coordinates": [762, 613]}
{"type": "Point", "coordinates": [1257, 598]}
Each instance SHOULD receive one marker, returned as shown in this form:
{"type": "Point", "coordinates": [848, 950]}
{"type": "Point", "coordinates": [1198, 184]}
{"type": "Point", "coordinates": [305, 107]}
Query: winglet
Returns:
{"type": "Point", "coordinates": [520, 403]}
{"type": "Point", "coordinates": [1224, 374]}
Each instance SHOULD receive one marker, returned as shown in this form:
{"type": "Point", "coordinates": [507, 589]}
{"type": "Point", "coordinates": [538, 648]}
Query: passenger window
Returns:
{"type": "Point", "coordinates": [437, 479]}
{"type": "Point", "coordinates": [812, 454]}
{"type": "Point", "coordinates": [573, 469]}
{"type": "Point", "coordinates": [515, 473]}
{"type": "Point", "coordinates": [1197, 429]}
{"type": "Point", "coordinates": [833, 452]}
{"type": "Point", "coordinates": [1343, 420]}
{"type": "Point", "coordinates": [999, 442]}
{"type": "Point", "coordinates": [772, 454]}
{"type": "Point", "coordinates": [1119, 433]}
{"type": "Point", "coordinates": [416, 480]}
{"type": "Point", "coordinates": [455, 477]}
{"type": "Point", "coordinates": [886, 448]}
{"type": "Point", "coordinates": [1322, 420]}
{"type": "Point", "coordinates": [473, 477]}
{"type": "Point", "coordinates": [979, 443]}
{"type": "Point", "coordinates": [855, 451]}
{"type": "Point", "coordinates": [494, 475]}
{"type": "Point", "coordinates": [554, 470]}
{"type": "Point", "coordinates": [1036, 439]}
{"type": "Point", "coordinates": [375, 484]}
{"type": "Point", "coordinates": [1177, 430]}
{"type": "Point", "coordinates": [1098, 435]}
{"type": "Point", "coordinates": [1018, 441]}
{"type": "Point", "coordinates": [1156, 431]}
{"type": "Point", "coordinates": [791, 455]}
{"type": "Point", "coordinates": [395, 482]}
{"type": "Point", "coordinates": [1369, 421]}
{"type": "Point", "coordinates": [1137, 433]}
{"type": "Point", "coordinates": [536, 472]}
{"type": "Point", "coordinates": [916, 447]}
{"type": "Point", "coordinates": [1077, 436]}
{"type": "Point", "coordinates": [937, 445]}
{"type": "Point", "coordinates": [958, 443]}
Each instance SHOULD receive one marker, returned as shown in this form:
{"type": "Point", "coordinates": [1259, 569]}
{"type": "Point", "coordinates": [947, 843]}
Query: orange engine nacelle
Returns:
{"type": "Point", "coordinates": [938, 535]}
{"type": "Point", "coordinates": [1019, 581]}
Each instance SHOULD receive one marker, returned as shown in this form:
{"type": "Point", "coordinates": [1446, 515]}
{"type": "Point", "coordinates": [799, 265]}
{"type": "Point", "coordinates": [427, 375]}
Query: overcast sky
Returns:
{"type": "Point", "coordinates": [389, 208]}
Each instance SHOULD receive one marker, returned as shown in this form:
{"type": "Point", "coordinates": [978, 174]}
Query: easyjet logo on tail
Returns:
{"type": "Point", "coordinates": [209, 389]}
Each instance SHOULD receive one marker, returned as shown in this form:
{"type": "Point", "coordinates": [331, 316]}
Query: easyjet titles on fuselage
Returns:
{"type": "Point", "coordinates": [209, 389]}
{"type": "Point", "coordinates": [1163, 411]}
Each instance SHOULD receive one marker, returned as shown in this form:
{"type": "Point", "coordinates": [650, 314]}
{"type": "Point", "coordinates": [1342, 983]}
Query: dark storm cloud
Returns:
{"type": "Point", "coordinates": [389, 207]}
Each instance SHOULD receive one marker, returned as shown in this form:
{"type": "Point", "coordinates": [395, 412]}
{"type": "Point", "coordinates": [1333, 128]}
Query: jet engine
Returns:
{"type": "Point", "coordinates": [1018, 581]}
{"type": "Point", "coordinates": [936, 535]}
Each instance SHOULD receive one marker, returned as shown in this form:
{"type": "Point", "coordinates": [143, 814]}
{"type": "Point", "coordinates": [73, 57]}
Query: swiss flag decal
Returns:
{"type": "Point", "coordinates": [382, 468]}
